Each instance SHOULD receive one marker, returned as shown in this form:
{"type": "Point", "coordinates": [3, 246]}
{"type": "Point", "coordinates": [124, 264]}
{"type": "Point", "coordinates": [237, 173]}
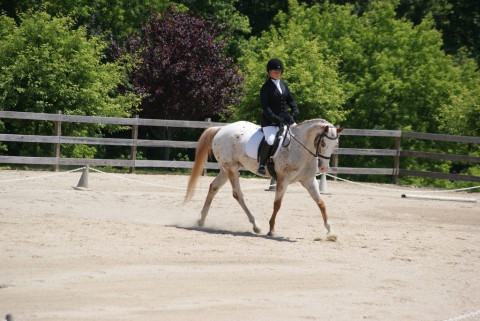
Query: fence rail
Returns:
{"type": "Point", "coordinates": [57, 140]}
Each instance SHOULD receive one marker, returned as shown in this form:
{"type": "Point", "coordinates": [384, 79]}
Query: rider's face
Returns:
{"type": "Point", "coordinates": [275, 74]}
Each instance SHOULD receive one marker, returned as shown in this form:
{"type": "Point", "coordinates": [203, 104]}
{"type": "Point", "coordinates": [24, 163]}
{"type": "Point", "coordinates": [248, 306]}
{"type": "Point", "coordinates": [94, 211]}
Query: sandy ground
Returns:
{"type": "Point", "coordinates": [128, 250]}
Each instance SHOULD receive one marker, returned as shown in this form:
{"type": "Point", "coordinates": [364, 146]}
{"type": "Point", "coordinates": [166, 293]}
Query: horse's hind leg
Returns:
{"type": "Point", "coordinates": [312, 188]}
{"type": "Point", "coordinates": [217, 183]}
{"type": "Point", "coordinates": [234, 178]}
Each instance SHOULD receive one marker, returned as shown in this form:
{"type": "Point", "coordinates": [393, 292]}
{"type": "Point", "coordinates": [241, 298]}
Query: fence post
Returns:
{"type": "Point", "coordinates": [133, 148]}
{"type": "Point", "coordinates": [396, 158]}
{"type": "Point", "coordinates": [56, 147]}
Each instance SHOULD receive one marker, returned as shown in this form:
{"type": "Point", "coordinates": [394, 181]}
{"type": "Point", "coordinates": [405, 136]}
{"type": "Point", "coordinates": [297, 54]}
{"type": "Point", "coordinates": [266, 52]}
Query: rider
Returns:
{"type": "Point", "coordinates": [274, 96]}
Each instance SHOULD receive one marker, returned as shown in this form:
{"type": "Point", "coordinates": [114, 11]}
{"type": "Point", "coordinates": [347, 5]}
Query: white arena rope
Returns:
{"type": "Point", "coordinates": [399, 190]}
{"type": "Point", "coordinates": [465, 316]}
{"type": "Point", "coordinates": [41, 177]}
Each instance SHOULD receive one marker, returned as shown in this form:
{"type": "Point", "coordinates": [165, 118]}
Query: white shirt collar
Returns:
{"type": "Point", "coordinates": [277, 83]}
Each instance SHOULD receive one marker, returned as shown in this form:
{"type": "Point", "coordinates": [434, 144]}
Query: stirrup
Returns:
{"type": "Point", "coordinates": [261, 170]}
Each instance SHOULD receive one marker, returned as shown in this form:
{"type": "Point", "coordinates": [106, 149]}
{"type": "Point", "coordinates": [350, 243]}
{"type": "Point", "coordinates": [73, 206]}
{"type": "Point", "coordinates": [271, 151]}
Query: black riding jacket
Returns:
{"type": "Point", "coordinates": [274, 104]}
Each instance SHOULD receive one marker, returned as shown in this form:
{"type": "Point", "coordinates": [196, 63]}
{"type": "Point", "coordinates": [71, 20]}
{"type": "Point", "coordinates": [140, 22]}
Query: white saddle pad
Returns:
{"type": "Point", "coordinates": [251, 148]}
{"type": "Point", "coordinates": [252, 144]}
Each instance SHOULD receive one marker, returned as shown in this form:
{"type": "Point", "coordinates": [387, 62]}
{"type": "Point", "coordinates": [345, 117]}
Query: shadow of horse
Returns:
{"type": "Point", "coordinates": [226, 232]}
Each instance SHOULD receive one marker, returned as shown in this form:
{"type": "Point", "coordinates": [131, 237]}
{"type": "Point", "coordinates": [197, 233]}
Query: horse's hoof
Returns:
{"type": "Point", "coordinates": [331, 237]}
{"type": "Point", "coordinates": [257, 230]}
{"type": "Point", "coordinates": [271, 233]}
{"type": "Point", "coordinates": [200, 223]}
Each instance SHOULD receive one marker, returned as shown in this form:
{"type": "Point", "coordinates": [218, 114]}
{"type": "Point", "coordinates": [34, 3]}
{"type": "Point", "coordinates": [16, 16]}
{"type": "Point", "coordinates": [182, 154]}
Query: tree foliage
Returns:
{"type": "Point", "coordinates": [458, 20]}
{"type": "Point", "coordinates": [224, 12]}
{"type": "Point", "coordinates": [46, 66]}
{"type": "Point", "coordinates": [183, 71]}
{"type": "Point", "coordinates": [311, 76]}
{"type": "Point", "coordinates": [399, 77]}
{"type": "Point", "coordinates": [261, 12]}
{"type": "Point", "coordinates": [462, 115]}
{"type": "Point", "coordinates": [107, 18]}
{"type": "Point", "coordinates": [398, 72]}
{"type": "Point", "coordinates": [383, 73]}
{"type": "Point", "coordinates": [393, 73]}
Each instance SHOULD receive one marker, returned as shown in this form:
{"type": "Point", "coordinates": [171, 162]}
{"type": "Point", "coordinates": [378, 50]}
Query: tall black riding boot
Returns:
{"type": "Point", "coordinates": [263, 154]}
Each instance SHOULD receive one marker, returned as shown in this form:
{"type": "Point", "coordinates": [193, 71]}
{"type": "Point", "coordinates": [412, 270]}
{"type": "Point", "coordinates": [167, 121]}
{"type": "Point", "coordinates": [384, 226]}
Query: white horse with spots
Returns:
{"type": "Point", "coordinates": [311, 145]}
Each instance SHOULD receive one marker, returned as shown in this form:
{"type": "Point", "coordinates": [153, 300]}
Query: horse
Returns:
{"type": "Point", "coordinates": [311, 144]}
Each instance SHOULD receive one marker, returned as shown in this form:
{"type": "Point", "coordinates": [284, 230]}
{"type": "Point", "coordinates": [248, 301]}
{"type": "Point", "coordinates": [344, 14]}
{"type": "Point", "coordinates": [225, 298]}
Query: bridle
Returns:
{"type": "Point", "coordinates": [317, 147]}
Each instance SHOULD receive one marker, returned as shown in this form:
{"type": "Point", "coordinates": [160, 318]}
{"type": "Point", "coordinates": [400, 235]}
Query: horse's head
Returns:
{"type": "Point", "coordinates": [325, 143]}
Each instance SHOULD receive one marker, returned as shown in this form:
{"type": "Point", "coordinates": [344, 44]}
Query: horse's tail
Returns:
{"type": "Point", "coordinates": [204, 148]}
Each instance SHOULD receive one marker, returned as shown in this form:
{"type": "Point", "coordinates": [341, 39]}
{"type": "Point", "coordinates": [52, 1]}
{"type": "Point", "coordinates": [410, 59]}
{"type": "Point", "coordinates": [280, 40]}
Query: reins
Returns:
{"type": "Point", "coordinates": [317, 148]}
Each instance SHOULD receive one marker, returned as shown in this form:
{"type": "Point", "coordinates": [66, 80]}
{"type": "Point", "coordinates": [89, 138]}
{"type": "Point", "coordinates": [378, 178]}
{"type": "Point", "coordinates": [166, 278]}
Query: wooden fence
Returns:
{"type": "Point", "coordinates": [57, 140]}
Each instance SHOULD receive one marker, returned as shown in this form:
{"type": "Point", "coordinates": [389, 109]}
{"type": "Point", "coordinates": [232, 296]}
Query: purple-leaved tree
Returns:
{"type": "Point", "coordinates": [183, 70]}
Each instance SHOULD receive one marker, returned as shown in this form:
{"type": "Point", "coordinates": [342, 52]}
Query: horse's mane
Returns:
{"type": "Point", "coordinates": [316, 120]}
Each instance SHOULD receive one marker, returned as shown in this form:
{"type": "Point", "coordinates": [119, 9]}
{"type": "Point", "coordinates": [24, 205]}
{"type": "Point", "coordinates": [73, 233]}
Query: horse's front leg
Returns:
{"type": "Point", "coordinates": [279, 193]}
{"type": "Point", "coordinates": [313, 190]}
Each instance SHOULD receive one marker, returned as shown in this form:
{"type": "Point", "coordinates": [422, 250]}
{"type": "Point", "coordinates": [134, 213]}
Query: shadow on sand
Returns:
{"type": "Point", "coordinates": [226, 232]}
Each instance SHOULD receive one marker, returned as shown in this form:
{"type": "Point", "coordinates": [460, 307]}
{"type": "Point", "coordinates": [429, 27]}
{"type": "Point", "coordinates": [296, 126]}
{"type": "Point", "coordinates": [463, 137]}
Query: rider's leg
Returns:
{"type": "Point", "coordinates": [264, 152]}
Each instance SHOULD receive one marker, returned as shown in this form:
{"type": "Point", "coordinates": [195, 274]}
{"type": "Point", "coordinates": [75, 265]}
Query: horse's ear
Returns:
{"type": "Point", "coordinates": [339, 130]}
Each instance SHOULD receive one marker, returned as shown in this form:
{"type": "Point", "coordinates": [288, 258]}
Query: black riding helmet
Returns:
{"type": "Point", "coordinates": [275, 64]}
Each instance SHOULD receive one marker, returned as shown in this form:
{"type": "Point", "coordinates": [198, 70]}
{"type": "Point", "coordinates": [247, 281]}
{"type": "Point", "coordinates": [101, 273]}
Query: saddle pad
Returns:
{"type": "Point", "coordinates": [251, 148]}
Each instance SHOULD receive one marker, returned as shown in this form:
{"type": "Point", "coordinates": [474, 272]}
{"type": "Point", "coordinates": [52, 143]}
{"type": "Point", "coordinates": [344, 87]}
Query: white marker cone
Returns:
{"type": "Point", "coordinates": [83, 182]}
{"type": "Point", "coordinates": [272, 186]}
{"type": "Point", "coordinates": [323, 184]}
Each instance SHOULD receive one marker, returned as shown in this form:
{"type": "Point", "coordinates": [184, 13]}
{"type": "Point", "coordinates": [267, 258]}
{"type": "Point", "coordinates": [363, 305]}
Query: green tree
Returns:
{"type": "Point", "coordinates": [261, 12]}
{"type": "Point", "coordinates": [399, 76]}
{"type": "Point", "coordinates": [458, 20]}
{"type": "Point", "coordinates": [311, 75]}
{"type": "Point", "coordinates": [226, 13]}
{"type": "Point", "coordinates": [460, 115]}
{"type": "Point", "coordinates": [225, 10]}
{"type": "Point", "coordinates": [114, 18]}
{"type": "Point", "coordinates": [46, 66]}
{"type": "Point", "coordinates": [394, 73]}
